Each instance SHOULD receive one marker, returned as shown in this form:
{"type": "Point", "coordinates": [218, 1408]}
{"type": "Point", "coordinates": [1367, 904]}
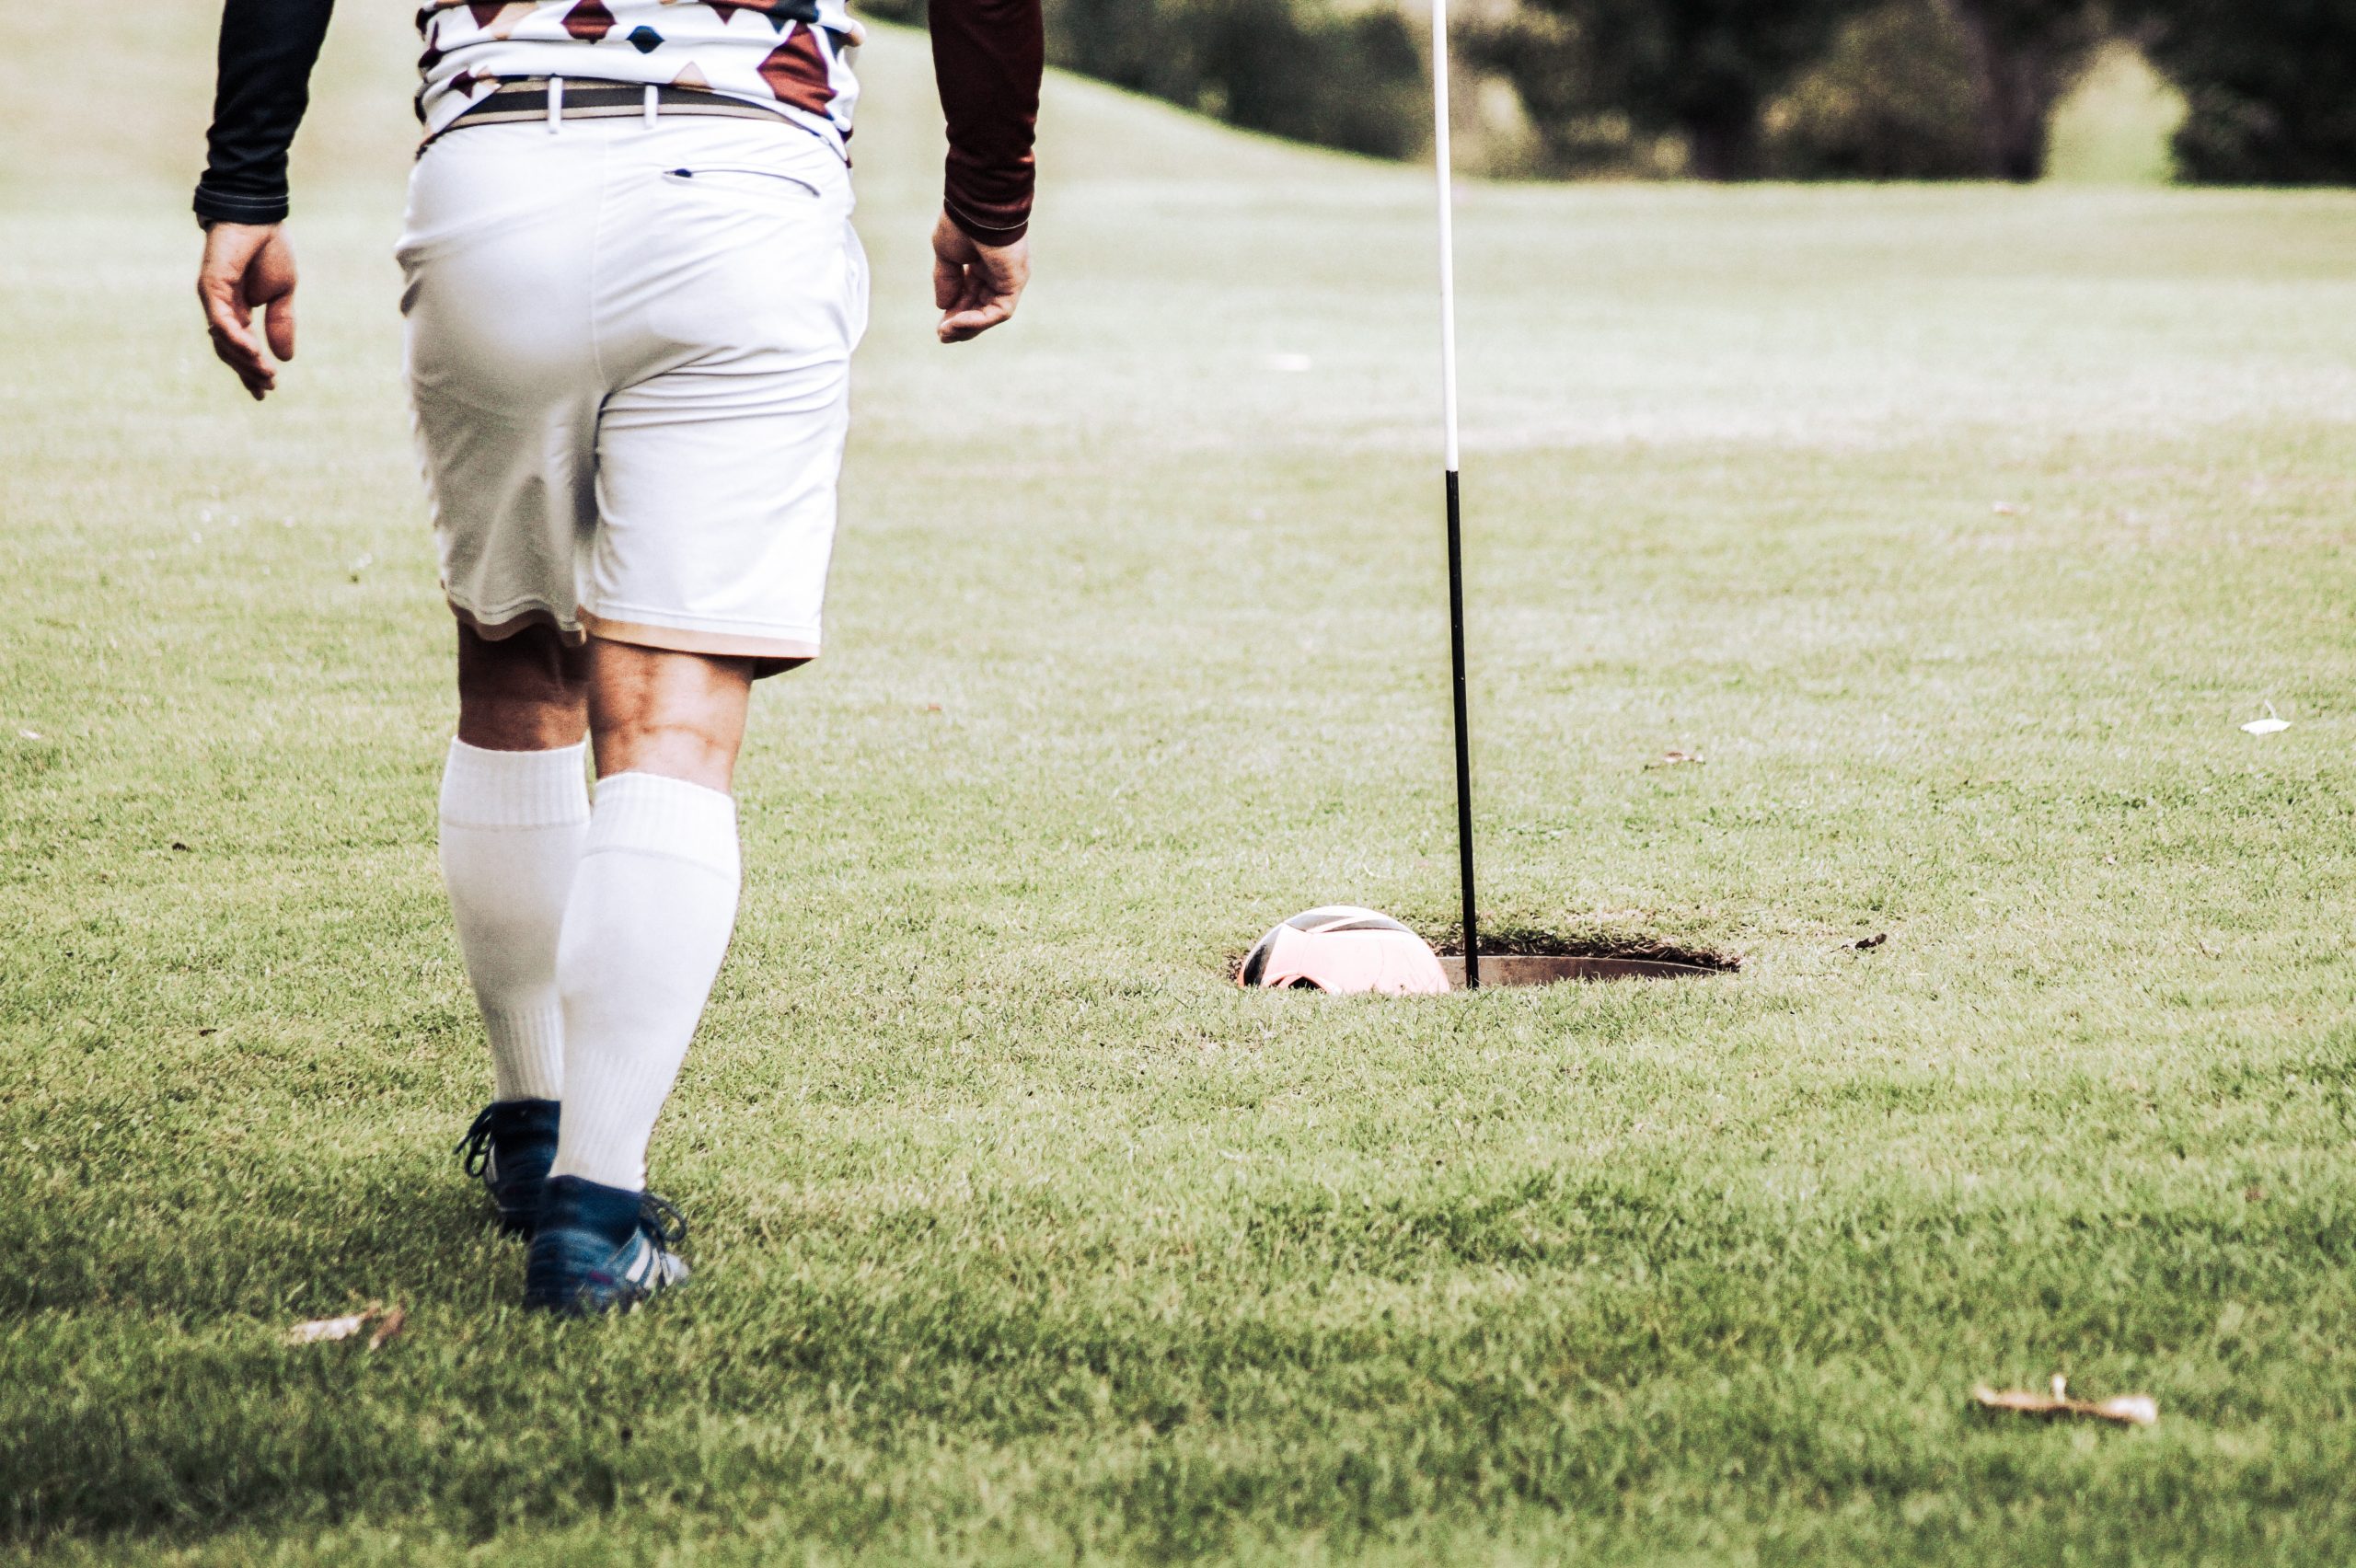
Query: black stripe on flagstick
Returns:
{"type": "Point", "coordinates": [1463, 736]}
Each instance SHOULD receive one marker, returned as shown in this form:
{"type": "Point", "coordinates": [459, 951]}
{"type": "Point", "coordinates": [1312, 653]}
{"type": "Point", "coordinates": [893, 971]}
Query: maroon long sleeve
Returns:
{"type": "Point", "coordinates": [988, 56]}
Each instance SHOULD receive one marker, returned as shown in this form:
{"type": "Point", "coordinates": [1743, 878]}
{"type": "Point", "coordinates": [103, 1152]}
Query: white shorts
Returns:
{"type": "Point", "coordinates": [628, 352]}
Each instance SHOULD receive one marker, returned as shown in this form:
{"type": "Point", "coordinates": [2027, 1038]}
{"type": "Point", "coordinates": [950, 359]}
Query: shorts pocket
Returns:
{"type": "Point", "coordinates": [731, 176]}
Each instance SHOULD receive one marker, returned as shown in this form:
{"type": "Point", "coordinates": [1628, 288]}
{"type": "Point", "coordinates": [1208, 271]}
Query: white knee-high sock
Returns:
{"type": "Point", "coordinates": [512, 830]}
{"type": "Point", "coordinates": [650, 916]}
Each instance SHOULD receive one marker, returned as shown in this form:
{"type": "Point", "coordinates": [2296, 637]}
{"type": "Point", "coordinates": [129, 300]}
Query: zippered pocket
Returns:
{"type": "Point", "coordinates": [725, 176]}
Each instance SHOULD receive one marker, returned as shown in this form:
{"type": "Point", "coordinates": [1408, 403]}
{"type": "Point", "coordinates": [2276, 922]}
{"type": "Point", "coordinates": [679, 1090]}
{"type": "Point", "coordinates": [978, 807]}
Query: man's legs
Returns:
{"type": "Point", "coordinates": [515, 812]}
{"type": "Point", "coordinates": [592, 935]}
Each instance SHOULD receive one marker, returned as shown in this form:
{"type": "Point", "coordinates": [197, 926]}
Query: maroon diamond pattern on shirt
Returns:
{"type": "Point", "coordinates": [589, 21]}
{"type": "Point", "coordinates": [798, 71]}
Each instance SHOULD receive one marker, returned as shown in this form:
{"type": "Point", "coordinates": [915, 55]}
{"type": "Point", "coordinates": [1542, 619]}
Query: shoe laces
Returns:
{"type": "Point", "coordinates": [660, 1223]}
{"type": "Point", "coordinates": [475, 1148]}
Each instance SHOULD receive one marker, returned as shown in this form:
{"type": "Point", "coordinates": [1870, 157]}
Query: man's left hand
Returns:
{"type": "Point", "coordinates": [975, 285]}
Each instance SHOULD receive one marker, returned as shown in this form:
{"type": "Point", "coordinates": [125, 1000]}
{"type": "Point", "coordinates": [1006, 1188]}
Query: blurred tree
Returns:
{"type": "Point", "coordinates": [1936, 89]}
{"type": "Point", "coordinates": [2267, 86]}
{"type": "Point", "coordinates": [1599, 72]}
{"type": "Point", "coordinates": [2023, 56]}
{"type": "Point", "coordinates": [1893, 98]}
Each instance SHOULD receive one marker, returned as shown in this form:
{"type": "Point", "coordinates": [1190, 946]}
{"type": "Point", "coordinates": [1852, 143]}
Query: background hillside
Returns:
{"type": "Point", "coordinates": [2111, 126]}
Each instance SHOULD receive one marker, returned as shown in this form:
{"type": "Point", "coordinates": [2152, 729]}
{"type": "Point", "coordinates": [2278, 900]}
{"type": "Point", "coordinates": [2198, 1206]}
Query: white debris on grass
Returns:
{"type": "Point", "coordinates": [322, 1329]}
{"type": "Point", "coordinates": [390, 1322]}
{"type": "Point", "coordinates": [2272, 724]}
{"type": "Point", "coordinates": [2124, 1410]}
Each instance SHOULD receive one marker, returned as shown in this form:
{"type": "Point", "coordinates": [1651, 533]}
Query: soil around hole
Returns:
{"type": "Point", "coordinates": [1515, 969]}
{"type": "Point", "coordinates": [1528, 941]}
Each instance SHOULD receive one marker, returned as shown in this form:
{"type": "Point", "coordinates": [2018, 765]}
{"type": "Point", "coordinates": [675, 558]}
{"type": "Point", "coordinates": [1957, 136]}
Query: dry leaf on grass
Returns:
{"type": "Point", "coordinates": [1866, 944]}
{"type": "Point", "coordinates": [389, 1327]}
{"type": "Point", "coordinates": [389, 1323]}
{"type": "Point", "coordinates": [2127, 1410]}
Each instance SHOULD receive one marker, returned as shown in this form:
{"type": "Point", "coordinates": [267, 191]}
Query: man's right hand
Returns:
{"type": "Point", "coordinates": [247, 265]}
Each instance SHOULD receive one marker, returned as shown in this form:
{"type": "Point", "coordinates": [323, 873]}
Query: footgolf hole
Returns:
{"type": "Point", "coordinates": [1526, 957]}
{"type": "Point", "coordinates": [1541, 958]}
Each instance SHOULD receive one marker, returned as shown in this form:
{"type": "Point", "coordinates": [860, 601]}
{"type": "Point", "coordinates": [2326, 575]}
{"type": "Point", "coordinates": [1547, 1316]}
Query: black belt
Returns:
{"type": "Point", "coordinates": [514, 101]}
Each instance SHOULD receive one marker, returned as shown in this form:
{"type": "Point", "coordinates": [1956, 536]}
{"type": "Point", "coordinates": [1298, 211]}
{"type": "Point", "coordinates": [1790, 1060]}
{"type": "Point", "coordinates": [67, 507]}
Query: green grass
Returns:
{"type": "Point", "coordinates": [1959, 529]}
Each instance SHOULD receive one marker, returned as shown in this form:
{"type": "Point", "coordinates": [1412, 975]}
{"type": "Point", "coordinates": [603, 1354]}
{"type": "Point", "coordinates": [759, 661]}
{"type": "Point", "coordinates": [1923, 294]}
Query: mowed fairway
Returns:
{"type": "Point", "coordinates": [1957, 529]}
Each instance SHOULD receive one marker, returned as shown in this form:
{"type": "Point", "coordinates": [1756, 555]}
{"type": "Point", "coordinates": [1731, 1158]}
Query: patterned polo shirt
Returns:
{"type": "Point", "coordinates": [792, 56]}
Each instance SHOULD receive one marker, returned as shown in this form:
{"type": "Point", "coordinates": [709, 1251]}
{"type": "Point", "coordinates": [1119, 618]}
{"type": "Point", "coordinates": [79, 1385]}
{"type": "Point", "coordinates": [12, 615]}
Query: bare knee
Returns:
{"type": "Point", "coordinates": [526, 691]}
{"type": "Point", "coordinates": [658, 710]}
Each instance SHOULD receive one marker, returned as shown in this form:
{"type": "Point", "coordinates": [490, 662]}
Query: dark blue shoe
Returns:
{"type": "Point", "coordinates": [596, 1249]}
{"type": "Point", "coordinates": [510, 1146]}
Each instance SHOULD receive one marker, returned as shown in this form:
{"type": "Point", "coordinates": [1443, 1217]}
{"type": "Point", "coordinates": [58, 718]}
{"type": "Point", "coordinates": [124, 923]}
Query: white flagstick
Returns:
{"type": "Point", "coordinates": [1447, 228]}
{"type": "Point", "coordinates": [1455, 526]}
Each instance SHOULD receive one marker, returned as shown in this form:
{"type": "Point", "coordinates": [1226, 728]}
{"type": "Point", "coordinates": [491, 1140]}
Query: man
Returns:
{"type": "Point", "coordinates": [632, 293]}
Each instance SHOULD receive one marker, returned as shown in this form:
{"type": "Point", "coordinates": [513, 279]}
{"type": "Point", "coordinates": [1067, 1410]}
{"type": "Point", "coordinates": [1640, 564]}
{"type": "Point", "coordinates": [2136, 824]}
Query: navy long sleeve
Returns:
{"type": "Point", "coordinates": [266, 49]}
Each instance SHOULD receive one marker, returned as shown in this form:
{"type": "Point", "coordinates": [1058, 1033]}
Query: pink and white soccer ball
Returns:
{"type": "Point", "coordinates": [1342, 947]}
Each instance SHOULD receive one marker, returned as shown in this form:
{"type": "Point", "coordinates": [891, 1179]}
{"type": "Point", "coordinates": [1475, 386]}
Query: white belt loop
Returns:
{"type": "Point", "coordinates": [556, 104]}
{"type": "Point", "coordinates": [650, 106]}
